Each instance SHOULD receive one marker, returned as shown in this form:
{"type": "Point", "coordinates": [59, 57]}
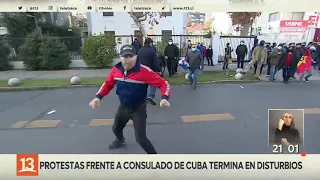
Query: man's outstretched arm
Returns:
{"type": "Point", "coordinates": [107, 86]}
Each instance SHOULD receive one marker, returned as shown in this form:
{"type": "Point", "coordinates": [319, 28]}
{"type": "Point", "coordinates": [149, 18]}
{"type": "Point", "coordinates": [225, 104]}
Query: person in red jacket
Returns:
{"type": "Point", "coordinates": [286, 69]}
{"type": "Point", "coordinates": [132, 79]}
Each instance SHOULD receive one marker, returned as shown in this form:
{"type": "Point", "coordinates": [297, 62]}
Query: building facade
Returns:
{"type": "Point", "coordinates": [268, 25]}
{"type": "Point", "coordinates": [120, 23]}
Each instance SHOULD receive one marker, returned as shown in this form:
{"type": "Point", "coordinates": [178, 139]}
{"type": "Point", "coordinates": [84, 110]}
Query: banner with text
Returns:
{"type": "Point", "coordinates": [69, 166]}
{"type": "Point", "coordinates": [293, 26]}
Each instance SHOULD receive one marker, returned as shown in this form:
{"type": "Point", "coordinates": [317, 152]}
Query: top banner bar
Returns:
{"type": "Point", "coordinates": [177, 5]}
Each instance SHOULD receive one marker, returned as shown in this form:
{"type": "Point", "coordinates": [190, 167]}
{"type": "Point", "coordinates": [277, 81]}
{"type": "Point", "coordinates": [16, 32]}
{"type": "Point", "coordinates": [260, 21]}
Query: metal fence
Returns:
{"type": "Point", "coordinates": [234, 42]}
{"type": "Point", "coordinates": [74, 44]}
{"type": "Point", "coordinates": [179, 40]}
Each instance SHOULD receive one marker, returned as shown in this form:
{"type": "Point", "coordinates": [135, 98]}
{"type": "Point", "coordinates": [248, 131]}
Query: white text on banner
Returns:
{"type": "Point", "coordinates": [71, 8]}
{"type": "Point", "coordinates": [42, 8]}
{"type": "Point", "coordinates": [114, 8]}
{"type": "Point", "coordinates": [164, 166]}
{"type": "Point", "coordinates": [146, 7]}
{"type": "Point", "coordinates": [183, 8]}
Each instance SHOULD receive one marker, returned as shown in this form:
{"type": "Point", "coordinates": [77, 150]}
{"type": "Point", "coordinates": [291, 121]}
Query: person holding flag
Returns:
{"type": "Point", "coordinates": [304, 66]}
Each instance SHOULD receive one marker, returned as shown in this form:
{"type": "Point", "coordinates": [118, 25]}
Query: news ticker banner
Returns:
{"type": "Point", "coordinates": [168, 6]}
{"type": "Point", "coordinates": [57, 166]}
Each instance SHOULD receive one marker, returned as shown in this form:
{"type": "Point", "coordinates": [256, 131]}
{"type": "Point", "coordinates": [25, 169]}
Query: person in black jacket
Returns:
{"type": "Point", "coordinates": [136, 44]}
{"type": "Point", "coordinates": [171, 54]}
{"type": "Point", "coordinates": [148, 57]}
{"type": "Point", "coordinates": [286, 133]}
{"type": "Point", "coordinates": [227, 56]}
{"type": "Point", "coordinates": [209, 56]}
{"type": "Point", "coordinates": [241, 52]}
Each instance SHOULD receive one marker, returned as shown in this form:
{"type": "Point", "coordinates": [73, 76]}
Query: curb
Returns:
{"type": "Point", "coordinates": [35, 88]}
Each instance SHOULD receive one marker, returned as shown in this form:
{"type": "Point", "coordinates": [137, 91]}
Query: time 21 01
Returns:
{"type": "Point", "coordinates": [291, 149]}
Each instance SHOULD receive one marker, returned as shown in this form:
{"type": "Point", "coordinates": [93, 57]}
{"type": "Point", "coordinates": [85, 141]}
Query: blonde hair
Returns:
{"type": "Point", "coordinates": [292, 126]}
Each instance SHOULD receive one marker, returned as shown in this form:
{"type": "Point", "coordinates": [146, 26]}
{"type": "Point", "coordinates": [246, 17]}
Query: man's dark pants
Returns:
{"type": "Point", "coordinates": [240, 60]}
{"type": "Point", "coordinates": [269, 66]}
{"type": "Point", "coordinates": [171, 65]}
{"type": "Point", "coordinates": [139, 119]}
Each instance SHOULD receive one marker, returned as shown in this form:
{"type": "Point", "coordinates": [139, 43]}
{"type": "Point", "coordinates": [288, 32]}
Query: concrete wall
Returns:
{"type": "Point", "coordinates": [123, 24]}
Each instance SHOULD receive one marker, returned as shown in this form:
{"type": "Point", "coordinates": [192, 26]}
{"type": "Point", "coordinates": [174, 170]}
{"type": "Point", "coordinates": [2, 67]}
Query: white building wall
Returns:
{"type": "Point", "coordinates": [271, 30]}
{"type": "Point", "coordinates": [123, 24]}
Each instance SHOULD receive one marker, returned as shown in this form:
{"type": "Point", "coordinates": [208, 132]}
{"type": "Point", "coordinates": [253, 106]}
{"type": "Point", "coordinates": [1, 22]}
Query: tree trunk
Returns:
{"type": "Point", "coordinates": [141, 28]}
{"type": "Point", "coordinates": [246, 28]}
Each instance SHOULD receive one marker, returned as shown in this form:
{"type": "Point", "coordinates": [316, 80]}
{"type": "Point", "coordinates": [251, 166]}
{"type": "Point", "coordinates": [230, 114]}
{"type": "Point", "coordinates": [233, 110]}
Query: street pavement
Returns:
{"type": "Point", "coordinates": [226, 119]}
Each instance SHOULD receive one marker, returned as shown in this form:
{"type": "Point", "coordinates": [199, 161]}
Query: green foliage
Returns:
{"type": "Point", "coordinates": [98, 51]}
{"type": "Point", "coordinates": [4, 59]}
{"type": "Point", "coordinates": [44, 52]}
{"type": "Point", "coordinates": [54, 54]}
{"type": "Point", "coordinates": [19, 25]}
{"type": "Point", "coordinates": [29, 52]}
{"type": "Point", "coordinates": [160, 46]}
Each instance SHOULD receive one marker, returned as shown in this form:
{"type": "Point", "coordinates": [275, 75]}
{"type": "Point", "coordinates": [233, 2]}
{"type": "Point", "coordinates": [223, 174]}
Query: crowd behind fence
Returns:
{"type": "Point", "coordinates": [74, 44]}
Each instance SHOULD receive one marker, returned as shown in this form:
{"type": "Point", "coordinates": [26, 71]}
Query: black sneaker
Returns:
{"type": "Point", "coordinates": [307, 80]}
{"type": "Point", "coordinates": [151, 100]}
{"type": "Point", "coordinates": [116, 144]}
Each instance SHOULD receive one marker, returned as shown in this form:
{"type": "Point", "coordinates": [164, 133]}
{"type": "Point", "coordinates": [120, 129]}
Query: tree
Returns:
{"type": "Point", "coordinates": [54, 54]}
{"type": "Point", "coordinates": [19, 25]}
{"type": "Point", "coordinates": [98, 51]}
{"type": "Point", "coordinates": [151, 17]}
{"type": "Point", "coordinates": [30, 53]}
{"type": "Point", "coordinates": [4, 56]}
{"type": "Point", "coordinates": [243, 19]}
{"type": "Point", "coordinates": [79, 21]}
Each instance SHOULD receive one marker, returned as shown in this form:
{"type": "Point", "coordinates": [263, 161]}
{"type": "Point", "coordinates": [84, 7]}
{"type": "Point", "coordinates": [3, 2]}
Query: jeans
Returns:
{"type": "Point", "coordinates": [193, 79]}
{"type": "Point", "coordinates": [286, 73]}
{"type": "Point", "coordinates": [152, 91]}
{"type": "Point", "coordinates": [305, 75]}
{"type": "Point", "coordinates": [139, 119]}
{"type": "Point", "coordinates": [273, 71]}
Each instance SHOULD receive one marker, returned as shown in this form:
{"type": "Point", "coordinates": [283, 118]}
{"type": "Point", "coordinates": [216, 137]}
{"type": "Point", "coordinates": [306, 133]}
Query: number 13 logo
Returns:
{"type": "Point", "coordinates": [27, 165]}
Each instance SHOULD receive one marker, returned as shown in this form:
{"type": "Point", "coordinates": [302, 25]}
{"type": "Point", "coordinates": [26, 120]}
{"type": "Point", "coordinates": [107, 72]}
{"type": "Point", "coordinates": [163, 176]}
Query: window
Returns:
{"type": "Point", "coordinates": [107, 13]}
{"type": "Point", "coordinates": [167, 13]}
{"type": "Point", "coordinates": [298, 16]}
{"type": "Point", "coordinates": [274, 16]}
{"type": "Point", "coordinates": [293, 16]}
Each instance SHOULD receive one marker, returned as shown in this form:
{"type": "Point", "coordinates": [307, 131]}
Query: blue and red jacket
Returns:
{"type": "Point", "coordinates": [132, 85]}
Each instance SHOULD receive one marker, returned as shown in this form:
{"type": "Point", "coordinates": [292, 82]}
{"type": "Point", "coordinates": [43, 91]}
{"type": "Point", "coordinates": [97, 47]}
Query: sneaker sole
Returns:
{"type": "Point", "coordinates": [116, 147]}
{"type": "Point", "coordinates": [152, 101]}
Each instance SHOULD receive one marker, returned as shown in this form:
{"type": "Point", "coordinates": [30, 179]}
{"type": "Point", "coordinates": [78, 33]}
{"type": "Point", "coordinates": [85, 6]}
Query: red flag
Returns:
{"type": "Point", "coordinates": [305, 63]}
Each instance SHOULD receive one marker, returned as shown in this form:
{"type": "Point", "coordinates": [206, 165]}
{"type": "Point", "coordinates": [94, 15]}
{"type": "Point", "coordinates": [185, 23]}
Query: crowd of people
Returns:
{"type": "Point", "coordinates": [285, 57]}
{"type": "Point", "coordinates": [140, 70]}
{"type": "Point", "coordinates": [194, 54]}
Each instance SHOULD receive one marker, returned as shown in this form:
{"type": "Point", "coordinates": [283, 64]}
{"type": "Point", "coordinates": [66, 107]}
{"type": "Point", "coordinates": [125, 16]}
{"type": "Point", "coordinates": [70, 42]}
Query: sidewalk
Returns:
{"type": "Point", "coordinates": [82, 73]}
{"type": "Point", "coordinates": [88, 73]}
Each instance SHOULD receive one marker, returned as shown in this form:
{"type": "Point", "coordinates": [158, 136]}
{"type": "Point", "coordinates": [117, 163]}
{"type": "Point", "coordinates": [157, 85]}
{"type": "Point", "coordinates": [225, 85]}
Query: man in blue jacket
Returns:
{"type": "Point", "coordinates": [147, 56]}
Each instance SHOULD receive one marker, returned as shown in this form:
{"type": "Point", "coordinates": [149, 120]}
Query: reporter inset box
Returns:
{"type": "Point", "coordinates": [286, 130]}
